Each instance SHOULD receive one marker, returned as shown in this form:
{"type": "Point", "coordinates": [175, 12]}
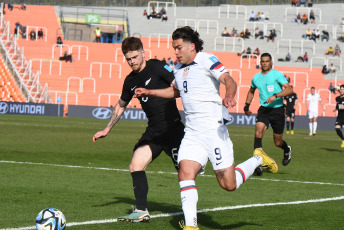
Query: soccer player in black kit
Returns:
{"type": "Point", "coordinates": [340, 117]}
{"type": "Point", "coordinates": [165, 129]}
{"type": "Point", "coordinates": [290, 101]}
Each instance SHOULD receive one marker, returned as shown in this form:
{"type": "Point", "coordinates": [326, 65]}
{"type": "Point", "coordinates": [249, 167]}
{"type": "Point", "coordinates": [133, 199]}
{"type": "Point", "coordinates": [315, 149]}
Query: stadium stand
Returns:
{"type": "Point", "coordinates": [90, 80]}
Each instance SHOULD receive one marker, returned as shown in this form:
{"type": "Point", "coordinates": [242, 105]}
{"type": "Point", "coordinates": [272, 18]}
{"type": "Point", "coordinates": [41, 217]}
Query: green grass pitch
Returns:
{"type": "Point", "coordinates": [51, 162]}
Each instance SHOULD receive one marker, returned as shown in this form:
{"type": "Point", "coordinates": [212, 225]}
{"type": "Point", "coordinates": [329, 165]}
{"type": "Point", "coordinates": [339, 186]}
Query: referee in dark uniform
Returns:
{"type": "Point", "coordinates": [165, 129]}
{"type": "Point", "coordinates": [340, 117]}
{"type": "Point", "coordinates": [290, 102]}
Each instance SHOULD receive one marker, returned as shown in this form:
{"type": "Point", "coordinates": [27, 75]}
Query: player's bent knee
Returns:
{"type": "Point", "coordinates": [228, 187]}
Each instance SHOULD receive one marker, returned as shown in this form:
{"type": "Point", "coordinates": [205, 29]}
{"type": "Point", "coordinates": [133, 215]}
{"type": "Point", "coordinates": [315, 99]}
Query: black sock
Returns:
{"type": "Point", "coordinates": [340, 134]}
{"type": "Point", "coordinates": [288, 125]}
{"type": "Point", "coordinates": [292, 125]}
{"type": "Point", "coordinates": [285, 147]}
{"type": "Point", "coordinates": [140, 185]}
{"type": "Point", "coordinates": [257, 142]}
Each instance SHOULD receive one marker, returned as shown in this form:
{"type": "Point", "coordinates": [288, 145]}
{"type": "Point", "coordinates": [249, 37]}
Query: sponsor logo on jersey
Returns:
{"type": "Point", "coordinates": [133, 88]}
{"type": "Point", "coordinates": [102, 113]}
{"type": "Point", "coordinates": [168, 68]}
{"type": "Point", "coordinates": [147, 82]}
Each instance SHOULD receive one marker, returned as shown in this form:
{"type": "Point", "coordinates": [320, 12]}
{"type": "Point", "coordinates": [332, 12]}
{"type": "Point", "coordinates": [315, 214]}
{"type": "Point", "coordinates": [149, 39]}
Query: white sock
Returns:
{"type": "Point", "coordinates": [310, 127]}
{"type": "Point", "coordinates": [244, 170]}
{"type": "Point", "coordinates": [315, 124]}
{"type": "Point", "coordinates": [189, 197]}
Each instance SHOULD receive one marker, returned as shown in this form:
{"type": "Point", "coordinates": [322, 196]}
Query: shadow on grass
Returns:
{"type": "Point", "coordinates": [152, 206]}
{"type": "Point", "coordinates": [333, 150]}
{"type": "Point", "coordinates": [208, 222]}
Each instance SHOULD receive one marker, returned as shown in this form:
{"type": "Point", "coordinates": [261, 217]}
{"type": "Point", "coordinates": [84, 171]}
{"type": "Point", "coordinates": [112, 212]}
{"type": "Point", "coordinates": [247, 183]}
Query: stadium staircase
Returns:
{"type": "Point", "coordinates": [77, 84]}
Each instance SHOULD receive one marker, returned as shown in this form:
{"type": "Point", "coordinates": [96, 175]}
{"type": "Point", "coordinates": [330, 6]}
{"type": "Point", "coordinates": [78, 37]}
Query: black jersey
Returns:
{"type": "Point", "coordinates": [161, 112]}
{"type": "Point", "coordinates": [340, 101]}
{"type": "Point", "coordinates": [291, 100]}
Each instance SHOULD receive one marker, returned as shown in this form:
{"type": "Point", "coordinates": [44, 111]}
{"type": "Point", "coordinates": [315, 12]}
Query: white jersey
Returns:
{"type": "Point", "coordinates": [198, 86]}
{"type": "Point", "coordinates": [313, 101]}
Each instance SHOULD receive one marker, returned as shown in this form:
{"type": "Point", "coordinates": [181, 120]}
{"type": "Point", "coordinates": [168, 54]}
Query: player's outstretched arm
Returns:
{"type": "Point", "coordinates": [249, 99]}
{"type": "Point", "coordinates": [231, 88]}
{"type": "Point", "coordinates": [117, 112]}
{"type": "Point", "coordinates": [169, 92]}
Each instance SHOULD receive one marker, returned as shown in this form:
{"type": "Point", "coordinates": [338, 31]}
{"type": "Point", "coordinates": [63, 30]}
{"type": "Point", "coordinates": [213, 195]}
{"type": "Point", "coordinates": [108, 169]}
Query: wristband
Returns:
{"type": "Point", "coordinates": [275, 94]}
{"type": "Point", "coordinates": [247, 107]}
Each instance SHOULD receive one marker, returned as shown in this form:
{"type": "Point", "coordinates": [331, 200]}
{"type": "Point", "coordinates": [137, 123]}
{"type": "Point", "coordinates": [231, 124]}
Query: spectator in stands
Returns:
{"type": "Point", "coordinates": [162, 11]}
{"type": "Point", "coordinates": [294, 2]}
{"type": "Point", "coordinates": [272, 35]}
{"type": "Point", "coordinates": [312, 16]}
{"type": "Point", "coordinates": [59, 41]}
{"type": "Point", "coordinates": [263, 17]}
{"type": "Point", "coordinates": [298, 18]}
{"type": "Point", "coordinates": [16, 29]}
{"type": "Point", "coordinates": [164, 60]}
{"type": "Point", "coordinates": [317, 34]}
{"type": "Point", "coordinates": [341, 38]}
{"type": "Point", "coordinates": [288, 57]}
{"type": "Point", "coordinates": [33, 35]}
{"type": "Point", "coordinates": [40, 34]}
{"type": "Point", "coordinates": [164, 17]}
{"type": "Point", "coordinates": [330, 51]}
{"type": "Point", "coordinates": [342, 22]}
{"type": "Point", "coordinates": [337, 50]}
{"type": "Point", "coordinates": [332, 69]}
{"type": "Point", "coordinates": [69, 58]}
{"type": "Point", "coordinates": [234, 32]}
{"type": "Point", "coordinates": [247, 34]}
{"type": "Point", "coordinates": [256, 51]}
{"type": "Point", "coordinates": [225, 32]}
{"type": "Point", "coordinates": [325, 35]}
{"type": "Point", "coordinates": [331, 88]}
{"type": "Point", "coordinates": [153, 14]}
{"type": "Point", "coordinates": [313, 36]}
{"type": "Point", "coordinates": [22, 6]}
{"type": "Point", "coordinates": [259, 16]}
{"type": "Point", "coordinates": [23, 31]}
{"type": "Point", "coordinates": [308, 33]}
{"type": "Point", "coordinates": [305, 57]}
{"type": "Point", "coordinates": [302, 2]}
{"type": "Point", "coordinates": [325, 70]}
{"type": "Point", "coordinates": [259, 33]}
{"type": "Point", "coordinates": [144, 13]}
{"type": "Point", "coordinates": [98, 34]}
{"type": "Point", "coordinates": [252, 16]}
{"type": "Point", "coordinates": [304, 19]}
{"type": "Point", "coordinates": [248, 51]}
{"type": "Point", "coordinates": [10, 6]}
{"type": "Point", "coordinates": [170, 62]}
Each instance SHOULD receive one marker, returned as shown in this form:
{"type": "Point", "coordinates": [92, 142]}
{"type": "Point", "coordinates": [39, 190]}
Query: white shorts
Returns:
{"type": "Point", "coordinates": [312, 114]}
{"type": "Point", "coordinates": [213, 145]}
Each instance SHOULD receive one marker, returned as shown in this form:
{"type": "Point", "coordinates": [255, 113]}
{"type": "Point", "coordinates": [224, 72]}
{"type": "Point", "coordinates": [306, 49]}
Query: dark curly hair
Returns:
{"type": "Point", "coordinates": [131, 44]}
{"type": "Point", "coordinates": [188, 35]}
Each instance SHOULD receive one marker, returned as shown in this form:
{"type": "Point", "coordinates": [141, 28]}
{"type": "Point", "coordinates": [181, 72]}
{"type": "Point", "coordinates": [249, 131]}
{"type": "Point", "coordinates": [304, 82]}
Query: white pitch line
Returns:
{"type": "Point", "coordinates": [199, 211]}
{"type": "Point", "coordinates": [161, 172]}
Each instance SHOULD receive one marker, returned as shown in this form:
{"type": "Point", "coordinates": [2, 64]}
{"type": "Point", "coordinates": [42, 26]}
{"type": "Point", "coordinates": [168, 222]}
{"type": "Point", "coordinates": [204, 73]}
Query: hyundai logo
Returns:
{"type": "Point", "coordinates": [3, 107]}
{"type": "Point", "coordinates": [101, 113]}
{"type": "Point", "coordinates": [228, 121]}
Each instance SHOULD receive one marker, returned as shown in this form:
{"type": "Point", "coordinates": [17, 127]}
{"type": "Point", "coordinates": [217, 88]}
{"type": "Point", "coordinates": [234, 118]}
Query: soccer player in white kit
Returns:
{"type": "Point", "coordinates": [198, 77]}
{"type": "Point", "coordinates": [312, 108]}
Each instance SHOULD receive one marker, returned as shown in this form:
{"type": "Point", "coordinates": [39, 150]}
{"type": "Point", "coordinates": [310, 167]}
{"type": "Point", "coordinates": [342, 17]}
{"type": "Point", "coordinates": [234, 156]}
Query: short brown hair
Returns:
{"type": "Point", "coordinates": [131, 44]}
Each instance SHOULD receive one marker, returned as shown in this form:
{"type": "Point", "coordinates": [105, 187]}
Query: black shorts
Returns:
{"type": "Point", "coordinates": [290, 113]}
{"type": "Point", "coordinates": [273, 116]}
{"type": "Point", "coordinates": [168, 142]}
{"type": "Point", "coordinates": [339, 121]}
